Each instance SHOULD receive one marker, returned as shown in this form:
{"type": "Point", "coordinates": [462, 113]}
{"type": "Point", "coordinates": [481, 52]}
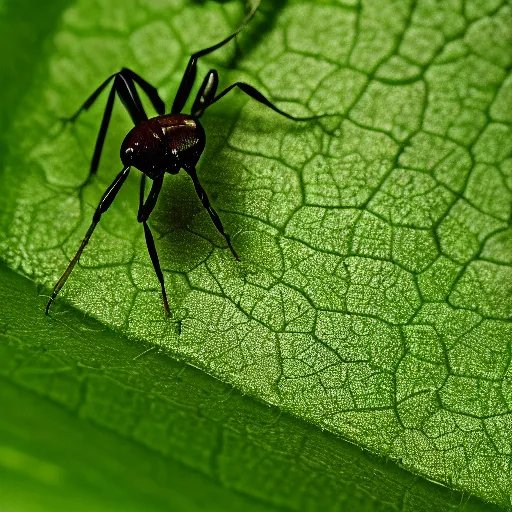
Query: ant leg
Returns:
{"type": "Point", "coordinates": [150, 91]}
{"type": "Point", "coordinates": [145, 209]}
{"type": "Point", "coordinates": [89, 101]}
{"type": "Point", "coordinates": [209, 208]}
{"type": "Point", "coordinates": [124, 86]}
{"type": "Point", "coordinates": [104, 204]}
{"type": "Point", "coordinates": [127, 92]}
{"type": "Point", "coordinates": [150, 244]}
{"type": "Point", "coordinates": [104, 123]}
{"type": "Point", "coordinates": [101, 136]}
{"type": "Point", "coordinates": [256, 95]}
{"type": "Point", "coordinates": [189, 76]}
{"type": "Point", "coordinates": [125, 89]}
{"type": "Point", "coordinates": [206, 93]}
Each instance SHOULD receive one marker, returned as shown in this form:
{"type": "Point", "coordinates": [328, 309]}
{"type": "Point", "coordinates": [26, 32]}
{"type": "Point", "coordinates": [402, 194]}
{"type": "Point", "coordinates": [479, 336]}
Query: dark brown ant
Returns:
{"type": "Point", "coordinates": [166, 143]}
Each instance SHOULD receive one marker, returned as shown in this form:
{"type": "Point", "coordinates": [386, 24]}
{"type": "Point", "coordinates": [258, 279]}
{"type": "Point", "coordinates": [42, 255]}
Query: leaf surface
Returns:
{"type": "Point", "coordinates": [373, 299]}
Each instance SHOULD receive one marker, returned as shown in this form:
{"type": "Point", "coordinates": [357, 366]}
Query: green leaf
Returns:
{"type": "Point", "coordinates": [374, 296]}
{"type": "Point", "coordinates": [91, 418]}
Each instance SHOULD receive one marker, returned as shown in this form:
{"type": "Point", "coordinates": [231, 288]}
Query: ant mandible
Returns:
{"type": "Point", "coordinates": [166, 143]}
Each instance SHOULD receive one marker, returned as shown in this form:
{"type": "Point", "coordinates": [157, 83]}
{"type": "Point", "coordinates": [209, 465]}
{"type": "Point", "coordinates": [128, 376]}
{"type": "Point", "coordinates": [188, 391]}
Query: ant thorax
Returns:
{"type": "Point", "coordinates": [164, 144]}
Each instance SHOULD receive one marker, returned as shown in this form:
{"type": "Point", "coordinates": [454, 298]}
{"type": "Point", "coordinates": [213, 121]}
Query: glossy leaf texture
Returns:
{"type": "Point", "coordinates": [373, 297]}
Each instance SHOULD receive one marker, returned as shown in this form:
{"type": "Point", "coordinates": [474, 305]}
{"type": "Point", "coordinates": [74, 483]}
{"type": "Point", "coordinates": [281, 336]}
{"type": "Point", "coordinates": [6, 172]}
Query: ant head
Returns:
{"type": "Point", "coordinates": [133, 148]}
{"type": "Point", "coordinates": [144, 149]}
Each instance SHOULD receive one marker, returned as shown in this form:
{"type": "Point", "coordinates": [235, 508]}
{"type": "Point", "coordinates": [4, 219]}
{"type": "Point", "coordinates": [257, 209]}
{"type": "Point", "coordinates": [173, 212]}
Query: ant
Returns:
{"type": "Point", "coordinates": [165, 143]}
